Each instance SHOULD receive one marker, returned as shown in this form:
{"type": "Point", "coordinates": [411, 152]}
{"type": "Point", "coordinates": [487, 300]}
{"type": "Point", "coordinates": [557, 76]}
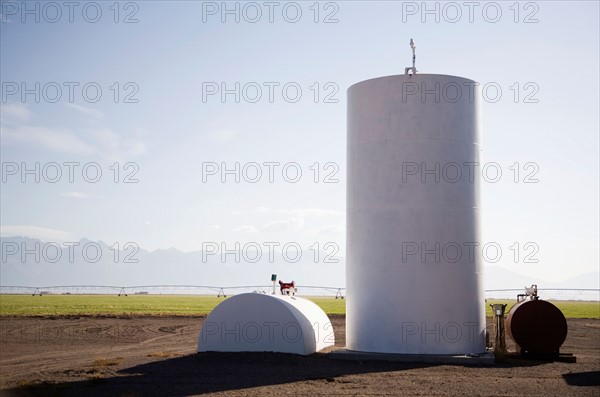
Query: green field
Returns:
{"type": "Point", "coordinates": [181, 305]}
{"type": "Point", "coordinates": [571, 309]}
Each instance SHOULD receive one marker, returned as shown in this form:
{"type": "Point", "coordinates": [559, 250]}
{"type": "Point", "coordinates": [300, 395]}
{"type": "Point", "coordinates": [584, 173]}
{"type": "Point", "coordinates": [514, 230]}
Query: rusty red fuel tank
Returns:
{"type": "Point", "coordinates": [537, 326]}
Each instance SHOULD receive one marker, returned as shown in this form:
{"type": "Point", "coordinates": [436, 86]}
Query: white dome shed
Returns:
{"type": "Point", "coordinates": [266, 323]}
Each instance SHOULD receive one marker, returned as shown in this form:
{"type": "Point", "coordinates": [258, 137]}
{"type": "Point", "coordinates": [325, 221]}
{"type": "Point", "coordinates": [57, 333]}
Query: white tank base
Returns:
{"type": "Point", "coordinates": [266, 323]}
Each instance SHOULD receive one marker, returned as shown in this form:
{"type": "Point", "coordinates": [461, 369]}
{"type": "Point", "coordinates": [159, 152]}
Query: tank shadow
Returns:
{"type": "Point", "coordinates": [218, 372]}
{"type": "Point", "coordinates": [591, 378]}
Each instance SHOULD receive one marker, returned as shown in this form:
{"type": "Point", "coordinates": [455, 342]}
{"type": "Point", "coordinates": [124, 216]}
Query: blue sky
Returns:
{"type": "Point", "coordinates": [165, 133]}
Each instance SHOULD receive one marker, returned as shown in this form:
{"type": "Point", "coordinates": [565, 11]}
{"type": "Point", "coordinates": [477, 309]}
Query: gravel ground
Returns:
{"type": "Point", "coordinates": [140, 356]}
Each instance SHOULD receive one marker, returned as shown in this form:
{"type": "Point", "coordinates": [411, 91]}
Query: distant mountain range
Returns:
{"type": "Point", "coordinates": [31, 262]}
{"type": "Point", "coordinates": [500, 278]}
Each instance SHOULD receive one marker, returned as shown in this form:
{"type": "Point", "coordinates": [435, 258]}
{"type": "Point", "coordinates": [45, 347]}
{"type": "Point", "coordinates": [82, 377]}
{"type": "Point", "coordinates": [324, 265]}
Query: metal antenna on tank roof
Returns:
{"type": "Point", "coordinates": [413, 69]}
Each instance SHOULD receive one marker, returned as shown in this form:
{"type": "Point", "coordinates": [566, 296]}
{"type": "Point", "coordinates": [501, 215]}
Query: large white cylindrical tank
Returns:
{"type": "Point", "coordinates": [413, 256]}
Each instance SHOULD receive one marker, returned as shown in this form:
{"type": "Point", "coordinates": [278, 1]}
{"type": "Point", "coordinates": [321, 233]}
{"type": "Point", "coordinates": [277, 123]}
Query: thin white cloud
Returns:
{"type": "Point", "coordinates": [312, 212]}
{"type": "Point", "coordinates": [293, 224]}
{"type": "Point", "coordinates": [41, 233]}
{"type": "Point", "coordinates": [287, 225]}
{"type": "Point", "coordinates": [246, 229]}
{"type": "Point", "coordinates": [79, 195]}
{"type": "Point", "coordinates": [222, 136]}
{"type": "Point", "coordinates": [17, 128]}
{"type": "Point", "coordinates": [257, 210]}
{"type": "Point", "coordinates": [14, 113]}
{"type": "Point", "coordinates": [303, 212]}
{"type": "Point", "coordinates": [108, 140]}
{"type": "Point", "coordinates": [56, 140]}
{"type": "Point", "coordinates": [113, 145]}
{"type": "Point", "coordinates": [337, 229]}
{"type": "Point", "coordinates": [94, 113]}
{"type": "Point", "coordinates": [103, 141]}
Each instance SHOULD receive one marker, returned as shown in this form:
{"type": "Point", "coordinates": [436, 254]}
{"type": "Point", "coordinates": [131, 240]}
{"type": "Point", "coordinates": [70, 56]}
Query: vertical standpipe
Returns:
{"type": "Point", "coordinates": [413, 260]}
